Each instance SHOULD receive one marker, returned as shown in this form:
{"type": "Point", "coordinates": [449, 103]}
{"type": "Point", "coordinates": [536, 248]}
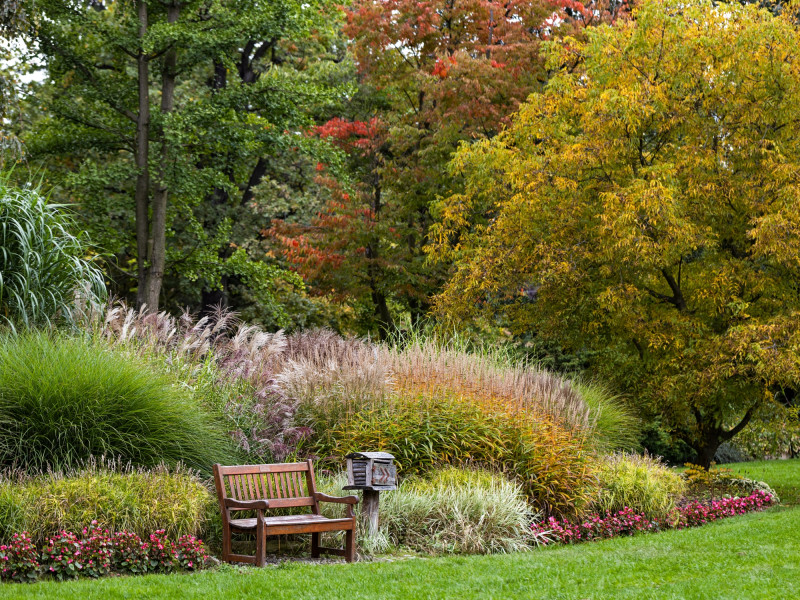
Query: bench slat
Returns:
{"type": "Point", "coordinates": [277, 468]}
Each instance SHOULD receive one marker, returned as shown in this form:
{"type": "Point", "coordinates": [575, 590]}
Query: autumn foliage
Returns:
{"type": "Point", "coordinates": [437, 74]}
{"type": "Point", "coordinates": [644, 205]}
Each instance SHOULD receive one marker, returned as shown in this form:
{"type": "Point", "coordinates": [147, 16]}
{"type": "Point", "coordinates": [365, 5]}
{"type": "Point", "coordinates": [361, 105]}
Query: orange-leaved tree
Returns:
{"type": "Point", "coordinates": [646, 204]}
{"type": "Point", "coordinates": [430, 74]}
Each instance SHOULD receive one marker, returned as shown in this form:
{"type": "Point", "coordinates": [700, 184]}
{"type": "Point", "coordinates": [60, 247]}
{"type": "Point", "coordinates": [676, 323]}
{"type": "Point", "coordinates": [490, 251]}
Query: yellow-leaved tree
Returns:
{"type": "Point", "coordinates": [646, 205]}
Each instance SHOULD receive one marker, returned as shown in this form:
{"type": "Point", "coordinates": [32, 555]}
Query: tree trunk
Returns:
{"type": "Point", "coordinates": [385, 322]}
{"type": "Point", "coordinates": [142, 156]}
{"type": "Point", "coordinates": [707, 449]}
{"type": "Point", "coordinates": [711, 434]}
{"type": "Point", "coordinates": [158, 228]}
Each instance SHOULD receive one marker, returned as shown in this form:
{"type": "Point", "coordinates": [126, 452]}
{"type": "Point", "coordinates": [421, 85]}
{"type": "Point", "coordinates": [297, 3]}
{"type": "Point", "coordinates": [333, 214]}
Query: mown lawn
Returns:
{"type": "Point", "coordinates": [755, 556]}
{"type": "Point", "coordinates": [782, 475]}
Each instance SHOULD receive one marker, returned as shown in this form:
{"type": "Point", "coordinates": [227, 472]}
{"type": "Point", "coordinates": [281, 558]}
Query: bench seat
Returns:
{"type": "Point", "coordinates": [293, 524]}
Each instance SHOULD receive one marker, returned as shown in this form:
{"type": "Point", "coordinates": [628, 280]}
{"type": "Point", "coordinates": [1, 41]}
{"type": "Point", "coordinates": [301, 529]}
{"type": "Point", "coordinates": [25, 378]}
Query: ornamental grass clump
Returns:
{"type": "Point", "coordinates": [641, 483]}
{"type": "Point", "coordinates": [462, 511]}
{"type": "Point", "coordinates": [43, 265]}
{"type": "Point", "coordinates": [64, 400]}
{"type": "Point", "coordinates": [552, 466]}
{"type": "Point", "coordinates": [135, 500]}
{"type": "Point", "coordinates": [281, 395]}
{"type": "Point", "coordinates": [494, 380]}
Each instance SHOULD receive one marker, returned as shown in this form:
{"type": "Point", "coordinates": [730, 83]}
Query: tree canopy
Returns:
{"type": "Point", "coordinates": [166, 121]}
{"type": "Point", "coordinates": [645, 205]}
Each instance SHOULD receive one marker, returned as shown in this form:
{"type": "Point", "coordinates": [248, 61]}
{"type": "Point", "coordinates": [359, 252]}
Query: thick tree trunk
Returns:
{"type": "Point", "coordinates": [142, 156]}
{"type": "Point", "coordinates": [707, 449]}
{"type": "Point", "coordinates": [157, 247]}
{"type": "Point", "coordinates": [711, 435]}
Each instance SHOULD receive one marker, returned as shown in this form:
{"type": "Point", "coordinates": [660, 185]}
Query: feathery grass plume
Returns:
{"type": "Point", "coordinates": [43, 269]}
{"type": "Point", "coordinates": [435, 369]}
{"type": "Point", "coordinates": [227, 364]}
{"type": "Point", "coordinates": [65, 399]}
{"type": "Point", "coordinates": [118, 497]}
{"type": "Point", "coordinates": [333, 378]}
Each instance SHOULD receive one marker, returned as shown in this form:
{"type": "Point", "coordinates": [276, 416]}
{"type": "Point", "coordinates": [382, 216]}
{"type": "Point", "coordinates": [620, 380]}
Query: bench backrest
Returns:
{"type": "Point", "coordinates": [284, 485]}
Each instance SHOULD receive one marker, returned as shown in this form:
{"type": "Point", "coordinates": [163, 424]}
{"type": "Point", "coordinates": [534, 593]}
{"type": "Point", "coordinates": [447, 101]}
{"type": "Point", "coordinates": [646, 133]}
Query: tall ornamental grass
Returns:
{"type": "Point", "coordinates": [551, 465]}
{"type": "Point", "coordinates": [43, 264]}
{"type": "Point", "coordinates": [314, 393]}
{"type": "Point", "coordinates": [64, 400]}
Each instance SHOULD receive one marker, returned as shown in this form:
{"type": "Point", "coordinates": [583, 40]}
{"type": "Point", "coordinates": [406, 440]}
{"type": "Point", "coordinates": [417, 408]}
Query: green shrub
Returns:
{"type": "Point", "coordinates": [136, 500]}
{"type": "Point", "coordinates": [42, 264]}
{"type": "Point", "coordinates": [641, 483]}
{"type": "Point", "coordinates": [65, 399]}
{"type": "Point", "coordinates": [450, 511]}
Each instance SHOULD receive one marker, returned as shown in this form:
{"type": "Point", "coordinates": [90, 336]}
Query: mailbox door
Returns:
{"type": "Point", "coordinates": [384, 474]}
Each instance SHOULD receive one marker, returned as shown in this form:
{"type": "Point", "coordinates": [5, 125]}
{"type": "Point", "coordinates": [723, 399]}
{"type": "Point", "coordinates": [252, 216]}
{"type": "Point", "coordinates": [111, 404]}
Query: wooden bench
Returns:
{"type": "Point", "coordinates": [262, 487]}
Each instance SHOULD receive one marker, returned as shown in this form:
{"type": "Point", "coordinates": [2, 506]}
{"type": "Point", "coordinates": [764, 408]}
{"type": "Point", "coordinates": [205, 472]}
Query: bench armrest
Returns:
{"type": "Point", "coordinates": [339, 500]}
{"type": "Point", "coordinates": [247, 504]}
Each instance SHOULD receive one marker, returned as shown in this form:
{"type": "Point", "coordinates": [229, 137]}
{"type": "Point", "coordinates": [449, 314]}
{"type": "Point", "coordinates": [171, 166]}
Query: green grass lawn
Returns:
{"type": "Point", "coordinates": [755, 556]}
{"type": "Point", "coordinates": [782, 475]}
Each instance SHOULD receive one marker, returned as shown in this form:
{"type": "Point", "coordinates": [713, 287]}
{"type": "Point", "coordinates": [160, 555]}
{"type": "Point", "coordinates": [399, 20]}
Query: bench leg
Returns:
{"type": "Point", "coordinates": [226, 544]}
{"type": "Point", "coordinates": [261, 544]}
{"type": "Point", "coordinates": [315, 545]}
{"type": "Point", "coordinates": [350, 545]}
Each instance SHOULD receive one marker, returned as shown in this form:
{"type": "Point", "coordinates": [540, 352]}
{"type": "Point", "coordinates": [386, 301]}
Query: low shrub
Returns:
{"type": "Point", "coordinates": [66, 399]}
{"type": "Point", "coordinates": [139, 501]}
{"type": "Point", "coordinates": [717, 482]}
{"type": "Point", "coordinates": [97, 549]}
{"type": "Point", "coordinates": [131, 554]}
{"type": "Point", "coordinates": [190, 553]}
{"type": "Point", "coordinates": [594, 527]}
{"type": "Point", "coordinates": [452, 511]}
{"type": "Point", "coordinates": [696, 513]}
{"type": "Point", "coordinates": [641, 483]}
{"type": "Point", "coordinates": [629, 522]}
{"type": "Point", "coordinates": [62, 554]}
{"type": "Point", "coordinates": [98, 553]}
{"type": "Point", "coordinates": [19, 560]}
{"type": "Point", "coordinates": [161, 555]}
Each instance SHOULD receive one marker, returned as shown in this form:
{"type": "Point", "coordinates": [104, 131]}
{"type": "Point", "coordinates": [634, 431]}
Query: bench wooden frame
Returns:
{"type": "Point", "coordinates": [262, 487]}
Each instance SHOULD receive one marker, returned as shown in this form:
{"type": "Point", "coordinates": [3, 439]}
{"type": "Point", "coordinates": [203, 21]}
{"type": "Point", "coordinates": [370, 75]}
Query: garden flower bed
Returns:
{"type": "Point", "coordinates": [627, 522]}
{"type": "Point", "coordinates": [98, 552]}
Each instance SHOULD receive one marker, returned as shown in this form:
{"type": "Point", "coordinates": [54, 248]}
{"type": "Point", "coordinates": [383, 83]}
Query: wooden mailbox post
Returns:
{"type": "Point", "coordinates": [372, 472]}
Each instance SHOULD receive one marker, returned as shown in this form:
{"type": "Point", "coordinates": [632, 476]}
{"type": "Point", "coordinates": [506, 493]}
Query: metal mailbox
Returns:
{"type": "Point", "coordinates": [374, 471]}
